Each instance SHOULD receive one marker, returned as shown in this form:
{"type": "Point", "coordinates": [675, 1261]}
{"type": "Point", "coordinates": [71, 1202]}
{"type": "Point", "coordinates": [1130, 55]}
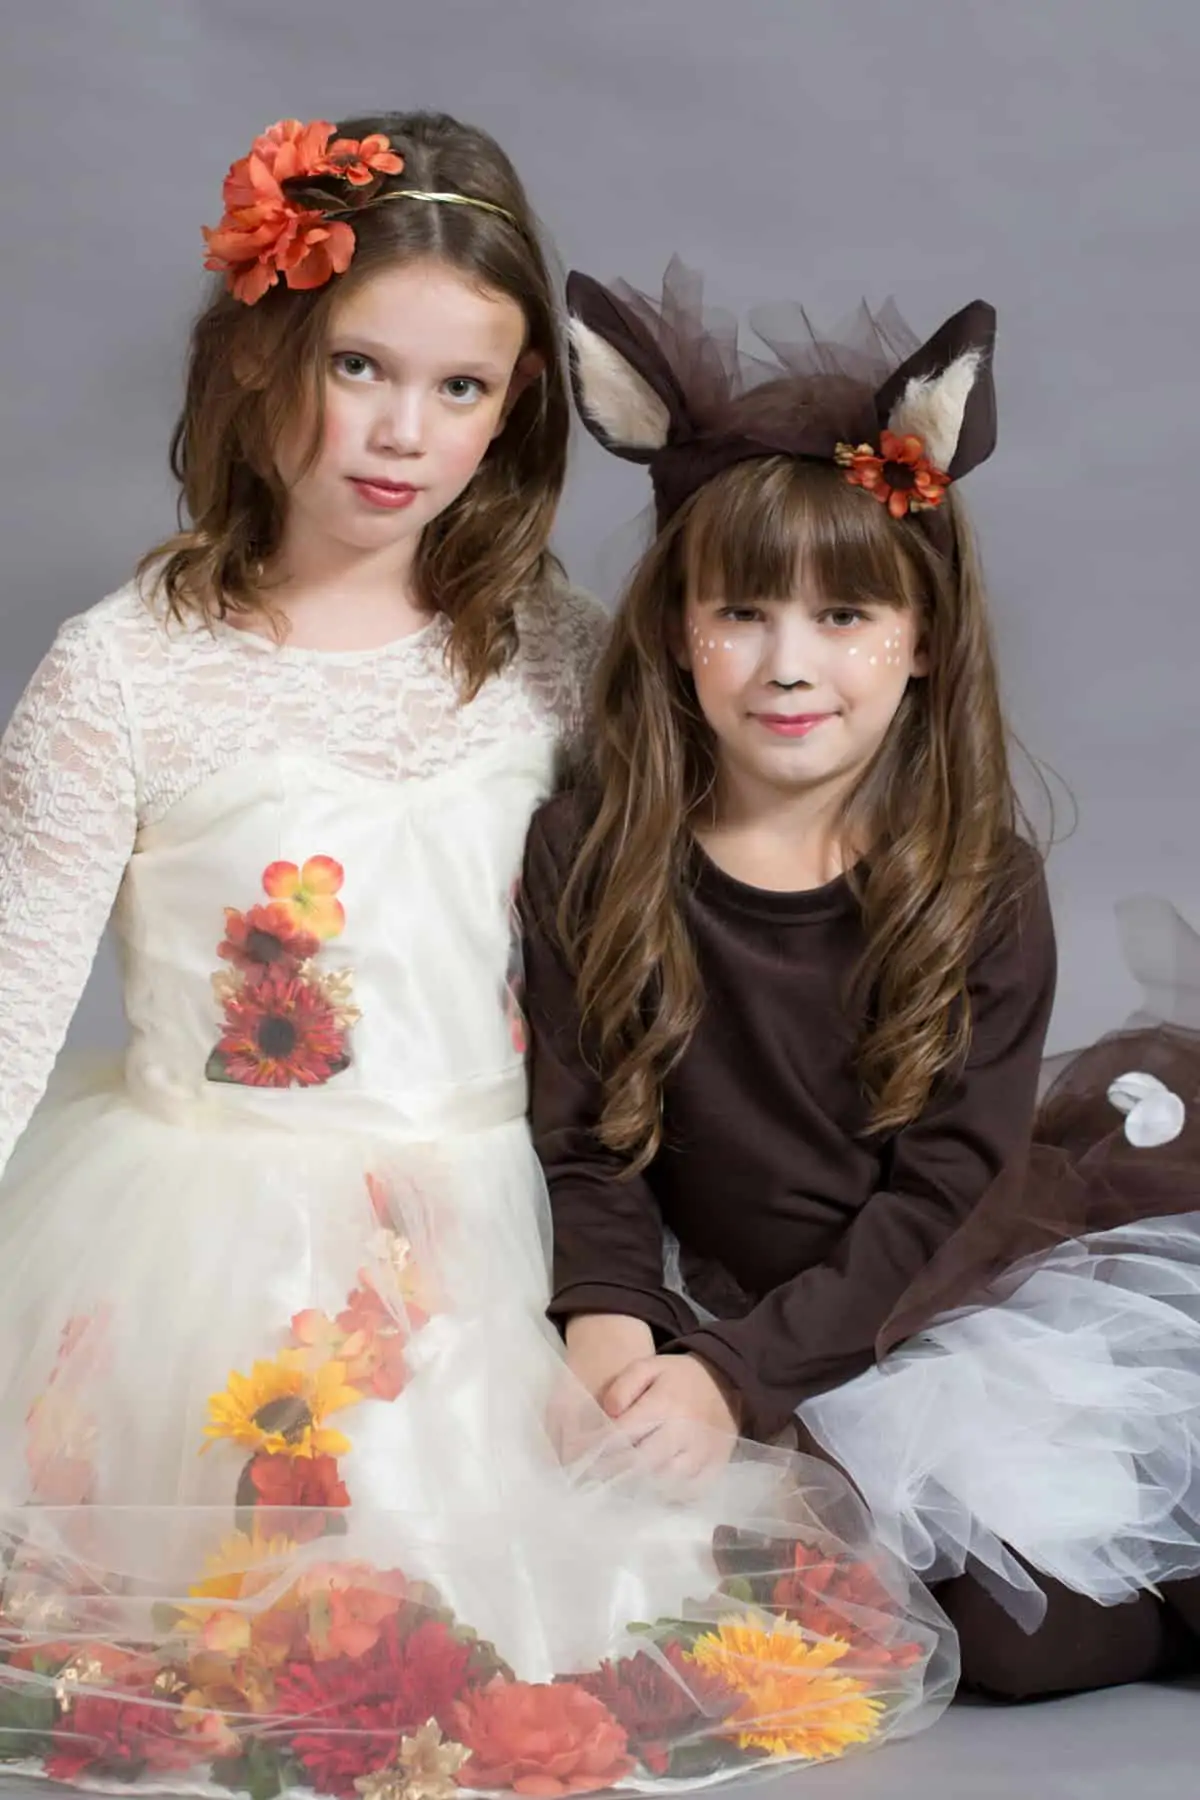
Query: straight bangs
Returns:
{"type": "Point", "coordinates": [761, 531]}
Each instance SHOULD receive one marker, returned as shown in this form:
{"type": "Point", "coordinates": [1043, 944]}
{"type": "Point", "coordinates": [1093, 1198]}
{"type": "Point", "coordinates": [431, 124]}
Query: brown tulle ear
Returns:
{"type": "Point", "coordinates": [626, 393]}
{"type": "Point", "coordinates": [943, 393]}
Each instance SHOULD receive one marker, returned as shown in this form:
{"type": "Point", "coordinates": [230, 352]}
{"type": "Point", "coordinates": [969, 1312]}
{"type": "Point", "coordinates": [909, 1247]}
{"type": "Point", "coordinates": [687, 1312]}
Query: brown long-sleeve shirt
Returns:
{"type": "Point", "coordinates": [796, 1229]}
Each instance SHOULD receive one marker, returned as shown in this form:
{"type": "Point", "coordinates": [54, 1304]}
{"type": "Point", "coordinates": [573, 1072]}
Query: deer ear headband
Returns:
{"type": "Point", "coordinates": [656, 383]}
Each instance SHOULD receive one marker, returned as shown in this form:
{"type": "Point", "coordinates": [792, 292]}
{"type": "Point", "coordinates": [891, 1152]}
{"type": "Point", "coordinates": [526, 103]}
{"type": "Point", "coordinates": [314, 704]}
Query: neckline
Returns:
{"type": "Point", "coordinates": [729, 894]}
{"type": "Point", "coordinates": [257, 644]}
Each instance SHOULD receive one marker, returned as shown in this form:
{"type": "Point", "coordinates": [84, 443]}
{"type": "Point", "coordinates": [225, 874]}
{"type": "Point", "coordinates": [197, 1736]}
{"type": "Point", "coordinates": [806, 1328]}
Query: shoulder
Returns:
{"type": "Point", "coordinates": [556, 835]}
{"type": "Point", "coordinates": [563, 623]}
{"type": "Point", "coordinates": [80, 658]}
{"type": "Point", "coordinates": [122, 626]}
{"type": "Point", "coordinates": [1019, 913]}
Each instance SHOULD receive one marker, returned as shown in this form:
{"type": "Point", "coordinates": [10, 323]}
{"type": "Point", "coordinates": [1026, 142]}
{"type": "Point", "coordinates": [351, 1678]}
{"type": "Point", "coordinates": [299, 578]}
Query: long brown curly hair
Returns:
{"type": "Point", "coordinates": [936, 810]}
{"type": "Point", "coordinates": [252, 368]}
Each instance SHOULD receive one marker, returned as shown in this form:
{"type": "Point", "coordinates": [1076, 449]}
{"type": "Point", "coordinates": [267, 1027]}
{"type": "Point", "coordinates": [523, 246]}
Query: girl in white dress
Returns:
{"type": "Point", "coordinates": [278, 1505]}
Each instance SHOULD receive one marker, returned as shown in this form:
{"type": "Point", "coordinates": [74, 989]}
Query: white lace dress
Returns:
{"type": "Point", "coordinates": [273, 1289]}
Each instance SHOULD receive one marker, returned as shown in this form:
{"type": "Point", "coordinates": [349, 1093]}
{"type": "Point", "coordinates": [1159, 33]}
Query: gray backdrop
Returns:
{"type": "Point", "coordinates": [1041, 153]}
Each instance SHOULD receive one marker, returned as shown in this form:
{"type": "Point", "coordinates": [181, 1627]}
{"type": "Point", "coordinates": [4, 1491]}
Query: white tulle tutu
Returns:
{"type": "Point", "coordinates": [1061, 1422]}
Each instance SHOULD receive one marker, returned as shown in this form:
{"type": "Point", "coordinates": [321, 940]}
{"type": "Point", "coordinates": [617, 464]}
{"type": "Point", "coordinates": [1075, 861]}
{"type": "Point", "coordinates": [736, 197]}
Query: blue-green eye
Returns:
{"type": "Point", "coordinates": [354, 365]}
{"type": "Point", "coordinates": [463, 389]}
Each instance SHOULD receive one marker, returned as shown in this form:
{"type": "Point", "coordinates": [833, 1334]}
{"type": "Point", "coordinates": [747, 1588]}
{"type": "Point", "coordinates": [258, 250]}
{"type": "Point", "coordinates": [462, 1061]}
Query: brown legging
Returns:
{"type": "Point", "coordinates": [1078, 1646]}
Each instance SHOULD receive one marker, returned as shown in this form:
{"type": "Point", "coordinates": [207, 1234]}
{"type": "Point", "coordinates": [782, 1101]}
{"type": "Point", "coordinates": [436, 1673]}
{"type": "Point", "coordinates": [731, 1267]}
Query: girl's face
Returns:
{"type": "Point", "coordinates": [799, 692]}
{"type": "Point", "coordinates": [421, 371]}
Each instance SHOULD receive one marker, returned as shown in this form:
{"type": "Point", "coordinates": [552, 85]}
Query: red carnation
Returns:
{"type": "Point", "coordinates": [350, 1713]}
{"type": "Point", "coordinates": [540, 1740]}
{"type": "Point", "coordinates": [659, 1707]}
{"type": "Point", "coordinates": [117, 1737]}
{"type": "Point", "coordinates": [294, 1482]}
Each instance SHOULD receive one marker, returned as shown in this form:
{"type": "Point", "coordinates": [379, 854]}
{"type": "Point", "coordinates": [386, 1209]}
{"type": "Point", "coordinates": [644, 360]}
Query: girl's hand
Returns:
{"type": "Point", "coordinates": [677, 1412]}
{"type": "Point", "coordinates": [599, 1347]}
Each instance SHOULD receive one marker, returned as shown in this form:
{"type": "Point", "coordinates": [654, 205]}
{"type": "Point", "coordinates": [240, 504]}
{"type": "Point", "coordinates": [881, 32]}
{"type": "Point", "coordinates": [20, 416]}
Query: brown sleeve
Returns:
{"type": "Point", "coordinates": [608, 1234]}
{"type": "Point", "coordinates": [820, 1329]}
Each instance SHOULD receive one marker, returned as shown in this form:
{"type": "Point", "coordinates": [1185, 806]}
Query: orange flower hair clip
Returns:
{"type": "Point", "coordinates": [266, 232]}
{"type": "Point", "coordinates": [899, 474]}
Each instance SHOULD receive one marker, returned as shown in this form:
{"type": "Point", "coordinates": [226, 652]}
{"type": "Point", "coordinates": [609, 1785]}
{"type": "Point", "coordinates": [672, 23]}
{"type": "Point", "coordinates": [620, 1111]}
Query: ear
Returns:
{"type": "Point", "coordinates": [625, 389]}
{"type": "Point", "coordinates": [530, 368]}
{"type": "Point", "coordinates": [944, 393]}
{"type": "Point", "coordinates": [613, 397]}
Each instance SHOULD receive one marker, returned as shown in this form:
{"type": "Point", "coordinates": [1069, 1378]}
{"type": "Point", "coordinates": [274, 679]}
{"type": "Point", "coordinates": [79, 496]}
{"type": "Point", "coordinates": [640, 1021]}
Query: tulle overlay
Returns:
{"type": "Point", "coordinates": [285, 1510]}
{"type": "Point", "coordinates": [280, 1501]}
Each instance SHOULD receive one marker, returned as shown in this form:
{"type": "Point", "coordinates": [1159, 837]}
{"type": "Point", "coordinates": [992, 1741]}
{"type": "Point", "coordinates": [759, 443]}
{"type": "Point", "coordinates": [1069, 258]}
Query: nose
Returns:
{"type": "Point", "coordinates": [790, 660]}
{"type": "Point", "coordinates": [399, 424]}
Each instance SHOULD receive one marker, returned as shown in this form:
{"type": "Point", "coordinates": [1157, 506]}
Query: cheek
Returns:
{"type": "Point", "coordinates": [463, 442]}
{"type": "Point", "coordinates": [293, 449]}
{"type": "Point", "coordinates": [722, 660]}
{"type": "Point", "coordinates": [875, 663]}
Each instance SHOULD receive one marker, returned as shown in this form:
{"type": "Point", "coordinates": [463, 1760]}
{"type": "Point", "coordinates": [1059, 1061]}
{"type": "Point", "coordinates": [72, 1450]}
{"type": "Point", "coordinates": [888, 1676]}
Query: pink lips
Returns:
{"type": "Point", "coordinates": [388, 496]}
{"type": "Point", "coordinates": [792, 724]}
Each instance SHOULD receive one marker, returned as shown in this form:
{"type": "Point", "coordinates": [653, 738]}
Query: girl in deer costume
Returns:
{"type": "Point", "coordinates": [790, 965]}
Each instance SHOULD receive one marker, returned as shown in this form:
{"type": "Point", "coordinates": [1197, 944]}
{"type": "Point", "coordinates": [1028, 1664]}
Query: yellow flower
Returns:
{"type": "Point", "coordinates": [281, 1407]}
{"type": "Point", "coordinates": [790, 1705]}
{"type": "Point", "coordinates": [307, 896]}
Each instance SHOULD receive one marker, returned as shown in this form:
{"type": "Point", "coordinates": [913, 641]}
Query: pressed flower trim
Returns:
{"type": "Point", "coordinates": [285, 1018]}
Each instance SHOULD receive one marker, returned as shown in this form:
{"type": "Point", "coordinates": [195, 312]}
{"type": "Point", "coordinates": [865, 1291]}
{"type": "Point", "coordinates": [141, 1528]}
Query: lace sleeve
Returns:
{"type": "Point", "coordinates": [67, 825]}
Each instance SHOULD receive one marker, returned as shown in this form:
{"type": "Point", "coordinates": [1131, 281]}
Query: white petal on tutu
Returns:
{"type": "Point", "coordinates": [1153, 1114]}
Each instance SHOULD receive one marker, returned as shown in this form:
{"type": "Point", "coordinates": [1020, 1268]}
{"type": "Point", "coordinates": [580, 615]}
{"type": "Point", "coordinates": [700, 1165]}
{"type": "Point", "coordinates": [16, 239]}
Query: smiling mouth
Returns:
{"type": "Point", "coordinates": [792, 724]}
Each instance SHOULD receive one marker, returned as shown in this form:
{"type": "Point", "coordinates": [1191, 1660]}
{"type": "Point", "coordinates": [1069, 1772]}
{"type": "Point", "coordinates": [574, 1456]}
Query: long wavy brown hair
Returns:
{"type": "Point", "coordinates": [935, 813]}
{"type": "Point", "coordinates": [252, 369]}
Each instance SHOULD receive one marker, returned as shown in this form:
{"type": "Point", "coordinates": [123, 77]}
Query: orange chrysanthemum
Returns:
{"type": "Point", "coordinates": [839, 1596]}
{"type": "Point", "coordinates": [899, 474]}
{"type": "Point", "coordinates": [308, 895]}
{"type": "Point", "coordinates": [266, 937]}
{"type": "Point", "coordinates": [791, 1704]}
{"type": "Point", "coordinates": [265, 234]}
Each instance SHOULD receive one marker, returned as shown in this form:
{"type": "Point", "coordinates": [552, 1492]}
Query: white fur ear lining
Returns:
{"type": "Point", "coordinates": [616, 398]}
{"type": "Point", "coordinates": [932, 407]}
{"type": "Point", "coordinates": [1153, 1114]}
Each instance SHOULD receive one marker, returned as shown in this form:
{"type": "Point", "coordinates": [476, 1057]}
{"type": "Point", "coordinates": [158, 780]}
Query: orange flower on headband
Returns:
{"type": "Point", "coordinates": [265, 233]}
{"type": "Point", "coordinates": [359, 163]}
{"type": "Point", "coordinates": [899, 474]}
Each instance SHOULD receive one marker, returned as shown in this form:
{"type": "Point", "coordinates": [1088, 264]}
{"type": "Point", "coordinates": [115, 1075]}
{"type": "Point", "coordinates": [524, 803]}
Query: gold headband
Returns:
{"type": "Point", "coordinates": [439, 199]}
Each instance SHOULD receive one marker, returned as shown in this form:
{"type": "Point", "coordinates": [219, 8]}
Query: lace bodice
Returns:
{"type": "Point", "coordinates": [128, 715]}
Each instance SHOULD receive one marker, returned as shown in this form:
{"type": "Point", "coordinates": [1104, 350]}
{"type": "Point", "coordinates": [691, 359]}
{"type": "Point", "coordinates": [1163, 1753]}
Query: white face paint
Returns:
{"type": "Point", "coordinates": [801, 690]}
